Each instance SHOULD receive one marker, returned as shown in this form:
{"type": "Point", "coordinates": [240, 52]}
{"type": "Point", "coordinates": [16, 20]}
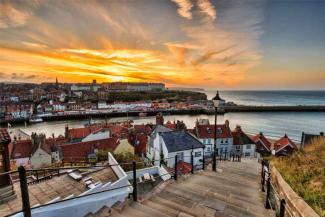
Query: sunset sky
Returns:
{"type": "Point", "coordinates": [225, 44]}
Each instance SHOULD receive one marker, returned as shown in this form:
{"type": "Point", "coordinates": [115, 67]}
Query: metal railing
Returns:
{"type": "Point", "coordinates": [57, 171]}
{"type": "Point", "coordinates": [273, 200]}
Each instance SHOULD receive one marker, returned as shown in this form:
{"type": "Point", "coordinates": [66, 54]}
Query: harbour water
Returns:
{"type": "Point", "coordinates": [273, 124]}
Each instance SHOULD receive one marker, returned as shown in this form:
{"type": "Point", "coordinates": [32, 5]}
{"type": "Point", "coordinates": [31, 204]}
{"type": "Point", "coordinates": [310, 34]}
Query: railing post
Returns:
{"type": "Point", "coordinates": [214, 160]}
{"type": "Point", "coordinates": [176, 169]}
{"type": "Point", "coordinates": [263, 177]}
{"type": "Point", "coordinates": [268, 191]}
{"type": "Point", "coordinates": [192, 163]}
{"type": "Point", "coordinates": [282, 208]}
{"type": "Point", "coordinates": [135, 190]}
{"type": "Point", "coordinates": [203, 161]}
{"type": "Point", "coordinates": [24, 192]}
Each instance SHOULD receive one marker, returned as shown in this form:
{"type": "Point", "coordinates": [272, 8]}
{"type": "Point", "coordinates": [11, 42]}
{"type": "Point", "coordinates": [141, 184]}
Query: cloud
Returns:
{"type": "Point", "coordinates": [121, 42]}
{"type": "Point", "coordinates": [184, 8]}
{"type": "Point", "coordinates": [207, 7]}
{"type": "Point", "coordinates": [10, 16]}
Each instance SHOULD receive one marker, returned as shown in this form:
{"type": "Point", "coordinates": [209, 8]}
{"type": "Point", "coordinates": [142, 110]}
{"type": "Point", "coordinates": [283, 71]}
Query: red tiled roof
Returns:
{"type": "Point", "coordinates": [207, 131]}
{"type": "Point", "coordinates": [241, 138]}
{"type": "Point", "coordinates": [141, 143]}
{"type": "Point", "coordinates": [192, 131]}
{"type": "Point", "coordinates": [283, 142]}
{"type": "Point", "coordinates": [185, 168]}
{"type": "Point", "coordinates": [170, 125]}
{"type": "Point", "coordinates": [79, 133]}
{"type": "Point", "coordinates": [261, 138]}
{"type": "Point", "coordinates": [143, 128]}
{"type": "Point", "coordinates": [4, 136]}
{"type": "Point", "coordinates": [80, 150]}
{"type": "Point", "coordinates": [118, 129]}
{"type": "Point", "coordinates": [52, 143]}
{"type": "Point", "coordinates": [22, 149]}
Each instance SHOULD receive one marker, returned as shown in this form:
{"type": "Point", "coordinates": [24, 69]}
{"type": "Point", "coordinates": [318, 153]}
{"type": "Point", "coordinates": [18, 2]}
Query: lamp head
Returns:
{"type": "Point", "coordinates": [216, 100]}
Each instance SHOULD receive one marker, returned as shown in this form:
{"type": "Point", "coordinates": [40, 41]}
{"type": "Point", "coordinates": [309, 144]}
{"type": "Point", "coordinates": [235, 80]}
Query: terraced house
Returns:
{"type": "Point", "coordinates": [204, 131]}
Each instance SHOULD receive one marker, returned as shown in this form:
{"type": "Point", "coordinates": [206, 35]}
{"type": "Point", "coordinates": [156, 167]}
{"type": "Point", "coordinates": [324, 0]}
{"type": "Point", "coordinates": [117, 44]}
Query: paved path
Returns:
{"type": "Point", "coordinates": [232, 192]}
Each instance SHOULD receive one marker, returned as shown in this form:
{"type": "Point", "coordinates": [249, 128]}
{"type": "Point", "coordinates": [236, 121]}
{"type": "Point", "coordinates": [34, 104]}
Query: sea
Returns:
{"type": "Point", "coordinates": [272, 124]}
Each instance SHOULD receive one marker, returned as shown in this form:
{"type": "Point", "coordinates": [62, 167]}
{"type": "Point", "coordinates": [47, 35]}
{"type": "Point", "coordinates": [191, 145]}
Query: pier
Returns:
{"type": "Point", "coordinates": [221, 110]}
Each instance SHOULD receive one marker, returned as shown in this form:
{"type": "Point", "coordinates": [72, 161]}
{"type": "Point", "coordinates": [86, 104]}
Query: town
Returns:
{"type": "Point", "coordinates": [32, 103]}
{"type": "Point", "coordinates": [159, 149]}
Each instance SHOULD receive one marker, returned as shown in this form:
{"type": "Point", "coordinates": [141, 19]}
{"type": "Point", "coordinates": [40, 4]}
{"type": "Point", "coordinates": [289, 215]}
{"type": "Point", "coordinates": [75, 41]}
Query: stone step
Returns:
{"type": "Point", "coordinates": [148, 210]}
{"type": "Point", "coordinates": [104, 211]}
{"type": "Point", "coordinates": [169, 211]}
{"type": "Point", "coordinates": [8, 198]}
{"type": "Point", "coordinates": [6, 189]}
{"type": "Point", "coordinates": [134, 212]}
{"type": "Point", "coordinates": [170, 204]}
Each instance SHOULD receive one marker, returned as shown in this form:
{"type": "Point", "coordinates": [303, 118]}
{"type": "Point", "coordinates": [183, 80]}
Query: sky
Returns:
{"type": "Point", "coordinates": [224, 44]}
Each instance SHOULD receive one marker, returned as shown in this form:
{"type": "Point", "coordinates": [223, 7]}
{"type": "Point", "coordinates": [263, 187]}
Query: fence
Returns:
{"type": "Point", "coordinates": [41, 175]}
{"type": "Point", "coordinates": [280, 197]}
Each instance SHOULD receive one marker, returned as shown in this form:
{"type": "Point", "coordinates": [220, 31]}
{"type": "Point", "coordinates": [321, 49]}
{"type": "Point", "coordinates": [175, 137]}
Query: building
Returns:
{"type": "Point", "coordinates": [242, 143]}
{"type": "Point", "coordinates": [89, 188]}
{"type": "Point", "coordinates": [85, 151]}
{"type": "Point", "coordinates": [284, 146]}
{"type": "Point", "coordinates": [263, 145]}
{"type": "Point", "coordinates": [205, 133]}
{"type": "Point", "coordinates": [307, 139]}
{"type": "Point", "coordinates": [167, 145]}
{"type": "Point", "coordinates": [31, 153]}
{"type": "Point", "coordinates": [133, 86]}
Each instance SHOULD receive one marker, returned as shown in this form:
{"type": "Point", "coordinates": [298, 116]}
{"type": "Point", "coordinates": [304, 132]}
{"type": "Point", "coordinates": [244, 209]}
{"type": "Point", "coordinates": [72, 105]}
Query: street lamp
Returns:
{"type": "Point", "coordinates": [216, 103]}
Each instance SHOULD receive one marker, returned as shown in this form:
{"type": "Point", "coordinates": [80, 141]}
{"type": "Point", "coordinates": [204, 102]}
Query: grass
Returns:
{"type": "Point", "coordinates": [304, 171]}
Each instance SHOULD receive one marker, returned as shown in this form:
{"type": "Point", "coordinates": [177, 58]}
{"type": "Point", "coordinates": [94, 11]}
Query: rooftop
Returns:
{"type": "Point", "coordinates": [59, 186]}
{"type": "Point", "coordinates": [180, 140]}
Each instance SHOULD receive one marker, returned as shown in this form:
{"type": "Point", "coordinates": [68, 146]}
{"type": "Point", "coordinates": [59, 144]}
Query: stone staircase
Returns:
{"type": "Point", "coordinates": [233, 191]}
{"type": "Point", "coordinates": [6, 194]}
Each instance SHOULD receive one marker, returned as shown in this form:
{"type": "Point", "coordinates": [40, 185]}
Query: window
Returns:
{"type": "Point", "coordinates": [221, 141]}
{"type": "Point", "coordinates": [209, 141]}
{"type": "Point", "coordinates": [237, 147]}
{"type": "Point", "coordinates": [248, 146]}
{"type": "Point", "coordinates": [226, 141]}
{"type": "Point", "coordinates": [197, 154]}
{"type": "Point", "coordinates": [208, 149]}
{"type": "Point", "coordinates": [204, 141]}
{"type": "Point", "coordinates": [247, 154]}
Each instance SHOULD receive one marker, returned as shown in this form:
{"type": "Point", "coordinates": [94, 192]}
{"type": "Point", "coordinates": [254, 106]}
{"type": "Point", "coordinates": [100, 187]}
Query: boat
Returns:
{"type": "Point", "coordinates": [35, 120]}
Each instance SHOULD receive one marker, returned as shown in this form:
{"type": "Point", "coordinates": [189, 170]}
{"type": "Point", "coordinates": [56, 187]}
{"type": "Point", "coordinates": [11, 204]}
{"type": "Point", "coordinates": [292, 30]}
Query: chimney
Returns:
{"type": "Point", "coordinates": [66, 132]}
{"type": "Point", "coordinates": [159, 119]}
{"type": "Point", "coordinates": [238, 128]}
{"type": "Point", "coordinates": [227, 124]}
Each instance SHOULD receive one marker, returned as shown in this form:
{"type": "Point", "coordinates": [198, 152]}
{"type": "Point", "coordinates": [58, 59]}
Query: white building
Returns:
{"type": "Point", "coordinates": [167, 145]}
{"type": "Point", "coordinates": [205, 133]}
{"type": "Point", "coordinates": [243, 144]}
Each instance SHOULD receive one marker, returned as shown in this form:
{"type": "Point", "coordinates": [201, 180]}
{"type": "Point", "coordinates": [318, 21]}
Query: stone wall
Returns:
{"type": "Point", "coordinates": [295, 205]}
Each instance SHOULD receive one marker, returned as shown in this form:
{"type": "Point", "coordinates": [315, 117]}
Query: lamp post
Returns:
{"type": "Point", "coordinates": [216, 102]}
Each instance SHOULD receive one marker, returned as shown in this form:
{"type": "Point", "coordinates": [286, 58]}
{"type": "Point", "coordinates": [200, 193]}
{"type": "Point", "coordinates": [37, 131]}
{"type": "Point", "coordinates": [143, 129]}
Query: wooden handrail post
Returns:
{"type": "Point", "coordinates": [282, 207]}
{"type": "Point", "coordinates": [268, 191]}
{"type": "Point", "coordinates": [24, 191]}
